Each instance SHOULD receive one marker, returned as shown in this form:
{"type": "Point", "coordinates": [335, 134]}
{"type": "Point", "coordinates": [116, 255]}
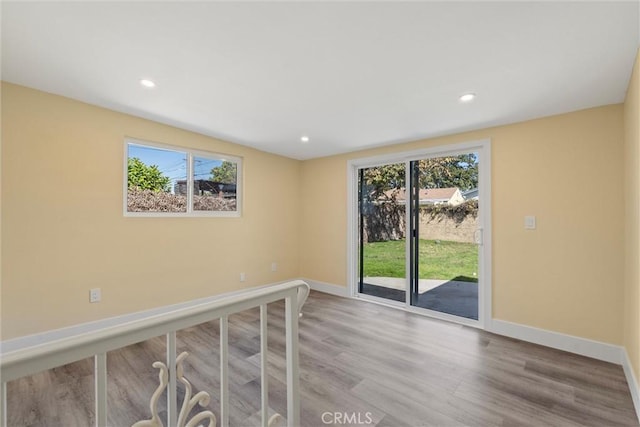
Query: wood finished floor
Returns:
{"type": "Point", "coordinates": [392, 368]}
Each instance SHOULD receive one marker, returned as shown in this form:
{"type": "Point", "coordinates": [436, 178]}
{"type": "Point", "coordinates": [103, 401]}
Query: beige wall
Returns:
{"type": "Point", "coordinates": [58, 243]}
{"type": "Point", "coordinates": [632, 219]}
{"type": "Point", "coordinates": [64, 231]}
{"type": "Point", "coordinates": [566, 276]}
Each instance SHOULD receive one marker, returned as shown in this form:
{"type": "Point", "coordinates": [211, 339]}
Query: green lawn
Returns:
{"type": "Point", "coordinates": [438, 260]}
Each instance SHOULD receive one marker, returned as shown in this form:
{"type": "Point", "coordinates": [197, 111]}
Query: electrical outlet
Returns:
{"type": "Point", "coordinates": [243, 277]}
{"type": "Point", "coordinates": [274, 266]}
{"type": "Point", "coordinates": [95, 295]}
{"type": "Point", "coordinates": [530, 222]}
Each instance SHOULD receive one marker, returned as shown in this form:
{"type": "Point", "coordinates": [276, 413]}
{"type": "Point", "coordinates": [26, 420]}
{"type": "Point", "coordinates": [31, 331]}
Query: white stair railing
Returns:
{"type": "Point", "coordinates": [36, 358]}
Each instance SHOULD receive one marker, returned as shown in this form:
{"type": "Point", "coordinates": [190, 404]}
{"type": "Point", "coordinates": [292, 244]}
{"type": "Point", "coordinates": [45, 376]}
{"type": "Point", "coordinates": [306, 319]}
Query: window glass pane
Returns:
{"type": "Point", "coordinates": [156, 179]}
{"type": "Point", "coordinates": [214, 184]}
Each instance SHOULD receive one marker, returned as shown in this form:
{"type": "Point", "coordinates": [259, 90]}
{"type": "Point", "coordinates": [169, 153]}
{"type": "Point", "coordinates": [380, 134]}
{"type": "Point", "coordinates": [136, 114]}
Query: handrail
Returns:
{"type": "Point", "coordinates": [18, 363]}
{"type": "Point", "coordinates": [30, 360]}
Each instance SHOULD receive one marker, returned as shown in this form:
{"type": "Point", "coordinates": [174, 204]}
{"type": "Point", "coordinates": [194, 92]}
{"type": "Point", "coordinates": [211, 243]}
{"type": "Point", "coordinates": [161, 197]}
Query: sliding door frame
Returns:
{"type": "Point", "coordinates": [483, 148]}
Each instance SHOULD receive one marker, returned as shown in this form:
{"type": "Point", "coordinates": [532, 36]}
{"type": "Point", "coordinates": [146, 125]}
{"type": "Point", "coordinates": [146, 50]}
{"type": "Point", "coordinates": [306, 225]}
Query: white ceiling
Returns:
{"type": "Point", "coordinates": [349, 75]}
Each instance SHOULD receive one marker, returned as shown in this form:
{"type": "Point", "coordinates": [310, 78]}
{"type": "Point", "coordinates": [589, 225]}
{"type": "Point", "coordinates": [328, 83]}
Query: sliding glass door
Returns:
{"type": "Point", "coordinates": [445, 234]}
{"type": "Point", "coordinates": [382, 214]}
{"type": "Point", "coordinates": [419, 233]}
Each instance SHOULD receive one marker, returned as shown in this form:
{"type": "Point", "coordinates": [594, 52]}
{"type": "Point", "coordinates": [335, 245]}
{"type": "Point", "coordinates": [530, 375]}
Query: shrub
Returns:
{"type": "Point", "coordinates": [457, 213]}
{"type": "Point", "coordinates": [158, 201]}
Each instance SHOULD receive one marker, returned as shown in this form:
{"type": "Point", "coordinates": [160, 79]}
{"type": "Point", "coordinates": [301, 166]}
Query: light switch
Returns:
{"type": "Point", "coordinates": [530, 222]}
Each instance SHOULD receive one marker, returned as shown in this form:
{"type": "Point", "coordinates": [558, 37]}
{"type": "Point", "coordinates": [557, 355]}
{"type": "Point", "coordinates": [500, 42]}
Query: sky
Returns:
{"type": "Point", "coordinates": [173, 163]}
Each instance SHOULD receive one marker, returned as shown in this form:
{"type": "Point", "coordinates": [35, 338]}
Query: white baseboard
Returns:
{"type": "Point", "coordinates": [634, 386]}
{"type": "Point", "coordinates": [328, 288]}
{"type": "Point", "coordinates": [582, 346]}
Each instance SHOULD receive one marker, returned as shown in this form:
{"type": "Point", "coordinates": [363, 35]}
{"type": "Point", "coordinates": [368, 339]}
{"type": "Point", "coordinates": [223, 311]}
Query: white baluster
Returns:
{"type": "Point", "coordinates": [224, 371]}
{"type": "Point", "coordinates": [172, 390]}
{"type": "Point", "coordinates": [264, 376]}
{"type": "Point", "coordinates": [3, 405]}
{"type": "Point", "coordinates": [100, 378]}
{"type": "Point", "coordinates": [293, 382]}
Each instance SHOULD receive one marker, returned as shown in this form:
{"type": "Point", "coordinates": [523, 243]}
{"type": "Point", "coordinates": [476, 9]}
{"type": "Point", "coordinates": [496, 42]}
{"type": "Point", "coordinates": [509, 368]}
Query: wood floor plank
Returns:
{"type": "Point", "coordinates": [357, 359]}
{"type": "Point", "coordinates": [402, 406]}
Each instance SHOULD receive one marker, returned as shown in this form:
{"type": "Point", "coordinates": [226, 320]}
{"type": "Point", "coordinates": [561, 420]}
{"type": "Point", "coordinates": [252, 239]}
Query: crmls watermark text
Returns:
{"type": "Point", "coordinates": [347, 418]}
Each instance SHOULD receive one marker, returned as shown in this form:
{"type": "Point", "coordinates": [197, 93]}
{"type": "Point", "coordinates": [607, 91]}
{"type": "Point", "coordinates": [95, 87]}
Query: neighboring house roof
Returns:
{"type": "Point", "coordinates": [437, 194]}
{"type": "Point", "coordinates": [470, 194]}
{"type": "Point", "coordinates": [426, 194]}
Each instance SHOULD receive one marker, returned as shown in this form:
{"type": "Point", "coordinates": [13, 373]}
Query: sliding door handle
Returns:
{"type": "Point", "coordinates": [478, 236]}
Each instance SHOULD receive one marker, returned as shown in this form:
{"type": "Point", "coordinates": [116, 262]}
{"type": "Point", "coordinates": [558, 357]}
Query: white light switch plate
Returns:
{"type": "Point", "coordinates": [530, 222]}
{"type": "Point", "coordinates": [95, 295]}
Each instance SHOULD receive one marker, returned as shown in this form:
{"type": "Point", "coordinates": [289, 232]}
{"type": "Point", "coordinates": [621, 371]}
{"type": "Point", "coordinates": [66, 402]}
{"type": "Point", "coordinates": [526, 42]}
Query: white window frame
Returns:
{"type": "Point", "coordinates": [190, 154]}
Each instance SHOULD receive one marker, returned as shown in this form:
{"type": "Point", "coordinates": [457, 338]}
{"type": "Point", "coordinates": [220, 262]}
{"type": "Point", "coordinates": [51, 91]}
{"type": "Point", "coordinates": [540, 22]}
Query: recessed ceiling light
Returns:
{"type": "Point", "coordinates": [304, 138]}
{"type": "Point", "coordinates": [147, 83]}
{"type": "Point", "coordinates": [467, 97]}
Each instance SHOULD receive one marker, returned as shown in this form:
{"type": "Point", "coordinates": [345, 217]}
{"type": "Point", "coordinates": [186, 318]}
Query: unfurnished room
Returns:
{"type": "Point", "coordinates": [301, 213]}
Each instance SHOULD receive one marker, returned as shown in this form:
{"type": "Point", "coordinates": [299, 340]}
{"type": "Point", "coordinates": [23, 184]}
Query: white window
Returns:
{"type": "Point", "coordinates": [161, 180]}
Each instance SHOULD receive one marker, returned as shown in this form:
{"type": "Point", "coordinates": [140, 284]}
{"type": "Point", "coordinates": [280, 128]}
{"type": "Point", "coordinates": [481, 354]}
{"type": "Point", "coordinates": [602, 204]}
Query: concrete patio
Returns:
{"type": "Point", "coordinates": [454, 297]}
